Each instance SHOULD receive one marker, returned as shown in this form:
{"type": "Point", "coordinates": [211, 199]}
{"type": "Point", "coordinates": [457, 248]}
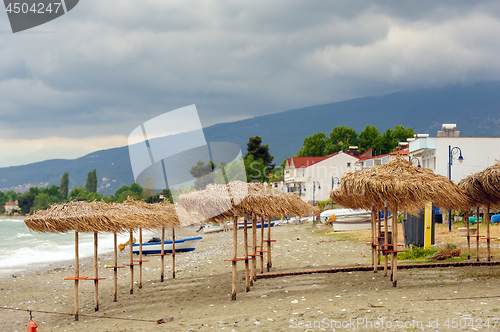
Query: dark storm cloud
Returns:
{"type": "Point", "coordinates": [111, 65]}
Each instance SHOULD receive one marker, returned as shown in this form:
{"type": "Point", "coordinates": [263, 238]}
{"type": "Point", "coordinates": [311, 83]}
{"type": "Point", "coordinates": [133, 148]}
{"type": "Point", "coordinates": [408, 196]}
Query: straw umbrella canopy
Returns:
{"type": "Point", "coordinates": [483, 188]}
{"type": "Point", "coordinates": [98, 217]}
{"type": "Point", "coordinates": [398, 182]}
{"type": "Point", "coordinates": [219, 201]}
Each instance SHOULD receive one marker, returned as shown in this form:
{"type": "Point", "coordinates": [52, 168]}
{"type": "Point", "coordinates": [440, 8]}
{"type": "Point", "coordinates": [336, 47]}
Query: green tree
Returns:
{"type": "Point", "coordinates": [91, 184]}
{"type": "Point", "coordinates": [259, 151]}
{"type": "Point", "coordinates": [256, 170]}
{"type": "Point", "coordinates": [63, 188]}
{"type": "Point", "coordinates": [314, 146]}
{"type": "Point", "coordinates": [370, 138]}
{"type": "Point", "coordinates": [203, 174]}
{"type": "Point", "coordinates": [234, 171]}
{"type": "Point", "coordinates": [26, 201]}
{"type": "Point", "coordinates": [391, 138]}
{"type": "Point", "coordinates": [340, 139]}
{"type": "Point", "coordinates": [41, 202]}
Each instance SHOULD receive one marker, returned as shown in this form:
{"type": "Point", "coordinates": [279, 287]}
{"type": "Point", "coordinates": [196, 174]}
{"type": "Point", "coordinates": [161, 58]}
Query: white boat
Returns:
{"type": "Point", "coordinates": [211, 228]}
{"type": "Point", "coordinates": [351, 224]}
{"type": "Point", "coordinates": [344, 213]}
{"type": "Point", "coordinates": [347, 219]}
{"type": "Point", "coordinates": [182, 245]}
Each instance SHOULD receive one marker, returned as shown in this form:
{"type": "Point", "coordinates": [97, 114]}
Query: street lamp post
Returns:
{"type": "Point", "coordinates": [335, 178]}
{"type": "Point", "coordinates": [451, 152]}
{"type": "Point", "coordinates": [413, 159]}
{"type": "Point", "coordinates": [314, 188]}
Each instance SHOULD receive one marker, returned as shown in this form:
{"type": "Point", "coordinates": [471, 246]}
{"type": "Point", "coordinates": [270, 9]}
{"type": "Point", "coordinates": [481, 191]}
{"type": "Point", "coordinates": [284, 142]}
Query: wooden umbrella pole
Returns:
{"type": "Point", "coordinates": [487, 221]}
{"type": "Point", "coordinates": [115, 269]}
{"type": "Point", "coordinates": [140, 258]}
{"type": "Point", "coordinates": [96, 276]}
{"type": "Point", "coordinates": [379, 234]}
{"type": "Point", "coordinates": [162, 255]}
{"type": "Point", "coordinates": [248, 282]}
{"type": "Point", "coordinates": [173, 252]}
{"type": "Point", "coordinates": [262, 245]}
{"type": "Point", "coordinates": [77, 275]}
{"type": "Point", "coordinates": [386, 241]}
{"type": "Point", "coordinates": [235, 250]}
{"type": "Point", "coordinates": [254, 248]}
{"type": "Point", "coordinates": [131, 262]}
{"type": "Point", "coordinates": [477, 233]}
{"type": "Point", "coordinates": [373, 229]}
{"type": "Point", "coordinates": [466, 216]}
{"type": "Point", "coordinates": [395, 246]}
{"type": "Point", "coordinates": [269, 243]}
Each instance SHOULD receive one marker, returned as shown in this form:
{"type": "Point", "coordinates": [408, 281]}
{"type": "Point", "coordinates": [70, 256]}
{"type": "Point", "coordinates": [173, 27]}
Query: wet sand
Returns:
{"type": "Point", "coordinates": [199, 298]}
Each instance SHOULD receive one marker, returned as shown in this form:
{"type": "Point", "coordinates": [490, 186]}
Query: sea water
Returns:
{"type": "Point", "coordinates": [21, 249]}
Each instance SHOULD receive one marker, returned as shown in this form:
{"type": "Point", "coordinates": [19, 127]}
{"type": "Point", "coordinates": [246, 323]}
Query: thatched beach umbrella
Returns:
{"type": "Point", "coordinates": [483, 189]}
{"type": "Point", "coordinates": [93, 217]}
{"type": "Point", "coordinates": [400, 185]}
{"type": "Point", "coordinates": [218, 202]}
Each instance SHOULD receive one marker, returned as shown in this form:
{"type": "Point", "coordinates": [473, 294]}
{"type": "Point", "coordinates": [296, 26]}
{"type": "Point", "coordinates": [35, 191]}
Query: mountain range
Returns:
{"type": "Point", "coordinates": [474, 108]}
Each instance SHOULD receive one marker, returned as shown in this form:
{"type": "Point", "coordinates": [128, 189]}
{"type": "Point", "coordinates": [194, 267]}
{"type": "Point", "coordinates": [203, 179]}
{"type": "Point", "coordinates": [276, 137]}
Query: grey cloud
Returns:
{"type": "Point", "coordinates": [114, 64]}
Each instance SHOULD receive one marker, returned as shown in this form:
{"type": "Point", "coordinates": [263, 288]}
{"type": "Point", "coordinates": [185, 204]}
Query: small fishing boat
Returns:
{"type": "Point", "coordinates": [259, 224]}
{"type": "Point", "coordinates": [351, 224]}
{"type": "Point", "coordinates": [182, 245]}
{"type": "Point", "coordinates": [214, 228]}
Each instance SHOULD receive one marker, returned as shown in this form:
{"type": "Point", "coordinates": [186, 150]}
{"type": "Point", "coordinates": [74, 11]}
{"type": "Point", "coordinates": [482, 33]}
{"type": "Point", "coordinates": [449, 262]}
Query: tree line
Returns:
{"type": "Point", "coordinates": [341, 137]}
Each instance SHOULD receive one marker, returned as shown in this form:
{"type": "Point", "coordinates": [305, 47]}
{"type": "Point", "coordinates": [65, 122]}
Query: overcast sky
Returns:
{"type": "Point", "coordinates": [84, 81]}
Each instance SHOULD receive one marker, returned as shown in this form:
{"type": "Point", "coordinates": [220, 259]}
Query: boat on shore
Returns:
{"type": "Point", "coordinates": [181, 245]}
{"type": "Point", "coordinates": [214, 228]}
{"type": "Point", "coordinates": [259, 224]}
{"type": "Point", "coordinates": [346, 219]}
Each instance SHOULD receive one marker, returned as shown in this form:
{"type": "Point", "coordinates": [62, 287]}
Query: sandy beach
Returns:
{"type": "Point", "coordinates": [199, 298]}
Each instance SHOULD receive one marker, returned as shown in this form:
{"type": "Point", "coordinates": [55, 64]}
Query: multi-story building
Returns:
{"type": "Point", "coordinates": [468, 155]}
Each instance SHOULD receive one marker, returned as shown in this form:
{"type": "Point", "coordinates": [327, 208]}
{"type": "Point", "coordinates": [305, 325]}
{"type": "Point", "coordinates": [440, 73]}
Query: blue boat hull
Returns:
{"type": "Point", "coordinates": [182, 245]}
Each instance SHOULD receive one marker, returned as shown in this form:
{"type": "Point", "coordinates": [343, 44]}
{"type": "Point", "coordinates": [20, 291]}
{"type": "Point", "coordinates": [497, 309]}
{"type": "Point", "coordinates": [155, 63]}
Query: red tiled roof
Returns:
{"type": "Point", "coordinates": [403, 152]}
{"type": "Point", "coordinates": [362, 155]}
{"type": "Point", "coordinates": [11, 203]}
{"type": "Point", "coordinates": [303, 162]}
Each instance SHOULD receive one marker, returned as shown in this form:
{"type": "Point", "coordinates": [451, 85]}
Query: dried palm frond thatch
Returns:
{"type": "Point", "coordinates": [99, 217]}
{"type": "Point", "coordinates": [218, 201]}
{"type": "Point", "coordinates": [483, 188]}
{"type": "Point", "coordinates": [398, 182]}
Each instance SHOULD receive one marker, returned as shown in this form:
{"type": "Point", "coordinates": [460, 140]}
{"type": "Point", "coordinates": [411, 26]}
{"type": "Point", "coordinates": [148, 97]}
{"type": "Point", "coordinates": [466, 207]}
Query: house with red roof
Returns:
{"type": "Point", "coordinates": [312, 178]}
{"type": "Point", "coordinates": [11, 206]}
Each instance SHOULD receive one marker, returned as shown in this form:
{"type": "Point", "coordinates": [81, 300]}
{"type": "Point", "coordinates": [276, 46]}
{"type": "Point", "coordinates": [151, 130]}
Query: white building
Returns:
{"type": "Point", "coordinates": [312, 178]}
{"type": "Point", "coordinates": [434, 153]}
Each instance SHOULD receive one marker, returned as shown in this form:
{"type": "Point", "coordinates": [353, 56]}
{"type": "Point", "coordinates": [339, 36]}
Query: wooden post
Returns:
{"type": "Point", "coordinates": [386, 241]}
{"type": "Point", "coordinates": [477, 234]}
{"type": "Point", "coordinates": [374, 236]}
{"type": "Point", "coordinates": [487, 222]}
{"type": "Point", "coordinates": [254, 248]}
{"type": "Point", "coordinates": [262, 245]}
{"type": "Point", "coordinates": [140, 258]}
{"type": "Point", "coordinates": [379, 234]}
{"type": "Point", "coordinates": [173, 252]}
{"type": "Point", "coordinates": [96, 276]}
{"type": "Point", "coordinates": [77, 275]}
{"type": "Point", "coordinates": [395, 246]}
{"type": "Point", "coordinates": [248, 282]}
{"type": "Point", "coordinates": [115, 269]}
{"type": "Point", "coordinates": [235, 249]}
{"type": "Point", "coordinates": [269, 264]}
{"type": "Point", "coordinates": [131, 262]}
{"type": "Point", "coordinates": [466, 216]}
{"type": "Point", "coordinates": [162, 254]}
